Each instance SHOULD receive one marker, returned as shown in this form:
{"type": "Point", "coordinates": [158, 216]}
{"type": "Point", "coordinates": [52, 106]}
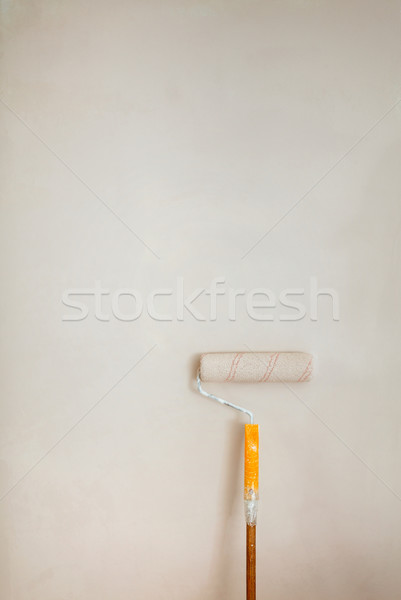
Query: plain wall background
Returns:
{"type": "Point", "coordinates": [199, 123]}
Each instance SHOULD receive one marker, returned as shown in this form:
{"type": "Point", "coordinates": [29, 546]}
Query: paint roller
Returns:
{"type": "Point", "coordinates": [252, 367]}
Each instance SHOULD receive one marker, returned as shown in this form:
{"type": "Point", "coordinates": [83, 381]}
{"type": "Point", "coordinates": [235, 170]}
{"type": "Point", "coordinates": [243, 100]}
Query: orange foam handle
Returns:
{"type": "Point", "coordinates": [251, 459]}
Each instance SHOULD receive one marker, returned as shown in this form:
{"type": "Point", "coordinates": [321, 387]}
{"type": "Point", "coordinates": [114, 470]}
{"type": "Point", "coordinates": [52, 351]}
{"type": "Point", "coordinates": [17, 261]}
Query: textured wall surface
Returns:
{"type": "Point", "coordinates": [159, 145]}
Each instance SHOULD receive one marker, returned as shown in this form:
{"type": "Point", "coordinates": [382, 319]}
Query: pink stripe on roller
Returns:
{"type": "Point", "coordinates": [235, 364]}
{"type": "Point", "coordinates": [272, 369]}
{"type": "Point", "coordinates": [236, 367]}
{"type": "Point", "coordinates": [231, 368]}
{"type": "Point", "coordinates": [306, 373]}
{"type": "Point", "coordinates": [267, 369]}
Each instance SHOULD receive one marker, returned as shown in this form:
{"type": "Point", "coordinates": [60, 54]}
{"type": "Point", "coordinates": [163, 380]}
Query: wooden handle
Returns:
{"type": "Point", "coordinates": [250, 562]}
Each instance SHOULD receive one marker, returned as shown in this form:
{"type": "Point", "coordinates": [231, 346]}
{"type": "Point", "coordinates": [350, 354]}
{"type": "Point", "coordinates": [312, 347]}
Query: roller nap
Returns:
{"type": "Point", "coordinates": [256, 367]}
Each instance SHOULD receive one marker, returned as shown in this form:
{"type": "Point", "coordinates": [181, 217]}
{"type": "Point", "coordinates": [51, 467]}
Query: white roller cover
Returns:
{"type": "Point", "coordinates": [256, 367]}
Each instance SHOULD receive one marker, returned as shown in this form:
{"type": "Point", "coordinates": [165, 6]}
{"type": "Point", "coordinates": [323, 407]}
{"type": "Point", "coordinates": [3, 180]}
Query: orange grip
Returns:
{"type": "Point", "coordinates": [251, 460]}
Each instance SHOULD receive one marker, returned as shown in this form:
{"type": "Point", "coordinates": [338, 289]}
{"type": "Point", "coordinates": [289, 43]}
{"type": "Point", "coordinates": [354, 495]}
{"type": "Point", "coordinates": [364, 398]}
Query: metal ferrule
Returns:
{"type": "Point", "coordinates": [251, 506]}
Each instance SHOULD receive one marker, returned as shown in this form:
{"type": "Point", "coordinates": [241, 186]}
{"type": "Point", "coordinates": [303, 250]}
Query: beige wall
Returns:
{"type": "Point", "coordinates": [196, 126]}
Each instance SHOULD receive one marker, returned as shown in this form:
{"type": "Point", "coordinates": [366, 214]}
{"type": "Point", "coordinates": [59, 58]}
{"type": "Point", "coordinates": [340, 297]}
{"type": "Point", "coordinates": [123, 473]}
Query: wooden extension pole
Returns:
{"type": "Point", "coordinates": [251, 562]}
